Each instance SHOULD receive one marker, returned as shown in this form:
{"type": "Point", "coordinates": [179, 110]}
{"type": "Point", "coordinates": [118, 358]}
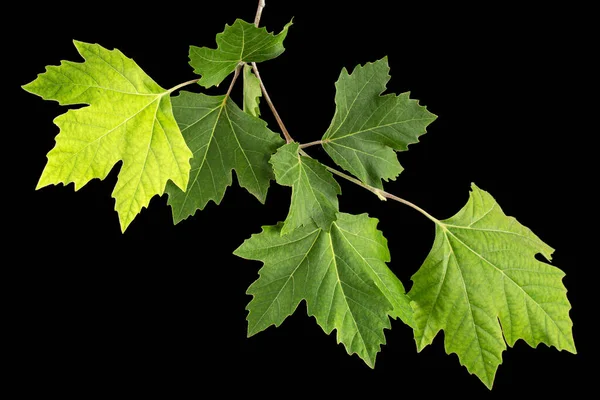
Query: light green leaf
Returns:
{"type": "Point", "coordinates": [314, 191]}
{"type": "Point", "coordinates": [482, 268]}
{"type": "Point", "coordinates": [368, 127]}
{"type": "Point", "coordinates": [252, 92]}
{"type": "Point", "coordinates": [341, 274]}
{"type": "Point", "coordinates": [240, 42]}
{"type": "Point", "coordinates": [222, 137]}
{"type": "Point", "coordinates": [129, 118]}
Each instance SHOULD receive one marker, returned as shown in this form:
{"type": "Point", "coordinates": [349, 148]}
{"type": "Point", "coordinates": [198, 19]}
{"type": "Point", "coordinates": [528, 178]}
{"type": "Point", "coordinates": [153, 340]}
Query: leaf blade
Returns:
{"type": "Point", "coordinates": [367, 128]}
{"type": "Point", "coordinates": [222, 138]}
{"type": "Point", "coordinates": [240, 42]}
{"type": "Point", "coordinates": [466, 288]}
{"type": "Point", "coordinates": [126, 108]}
{"type": "Point", "coordinates": [331, 273]}
{"type": "Point", "coordinates": [252, 92]}
{"type": "Point", "coordinates": [314, 190]}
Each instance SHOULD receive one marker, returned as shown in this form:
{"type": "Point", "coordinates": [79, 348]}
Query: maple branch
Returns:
{"type": "Point", "coordinates": [382, 194]}
{"type": "Point", "coordinates": [236, 73]}
{"type": "Point", "coordinates": [286, 134]}
{"type": "Point", "coordinates": [261, 5]}
{"type": "Point", "coordinates": [174, 88]}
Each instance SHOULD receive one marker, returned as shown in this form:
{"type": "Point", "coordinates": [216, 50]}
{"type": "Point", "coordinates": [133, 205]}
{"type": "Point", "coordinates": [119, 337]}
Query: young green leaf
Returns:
{"type": "Point", "coordinates": [368, 127]}
{"type": "Point", "coordinates": [341, 274]}
{"type": "Point", "coordinates": [314, 191]}
{"type": "Point", "coordinates": [222, 137]}
{"type": "Point", "coordinates": [482, 268]}
{"type": "Point", "coordinates": [252, 92]}
{"type": "Point", "coordinates": [240, 42]}
{"type": "Point", "coordinates": [129, 118]}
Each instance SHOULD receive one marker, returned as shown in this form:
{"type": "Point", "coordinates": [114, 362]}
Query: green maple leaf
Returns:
{"type": "Point", "coordinates": [252, 92]}
{"type": "Point", "coordinates": [341, 274]}
{"type": "Point", "coordinates": [482, 268]}
{"type": "Point", "coordinates": [240, 42]}
{"type": "Point", "coordinates": [129, 118]}
{"type": "Point", "coordinates": [222, 137]}
{"type": "Point", "coordinates": [368, 127]}
{"type": "Point", "coordinates": [314, 191]}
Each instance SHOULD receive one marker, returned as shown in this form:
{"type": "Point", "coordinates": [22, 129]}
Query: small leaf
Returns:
{"type": "Point", "coordinates": [240, 42]}
{"type": "Point", "coordinates": [314, 191]}
{"type": "Point", "coordinates": [341, 274]}
{"type": "Point", "coordinates": [222, 137]}
{"type": "Point", "coordinates": [252, 92]}
{"type": "Point", "coordinates": [129, 118]}
{"type": "Point", "coordinates": [368, 127]}
{"type": "Point", "coordinates": [482, 268]}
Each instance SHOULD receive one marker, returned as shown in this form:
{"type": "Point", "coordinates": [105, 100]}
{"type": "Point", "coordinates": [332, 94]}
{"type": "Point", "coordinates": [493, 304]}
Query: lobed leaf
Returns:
{"type": "Point", "coordinates": [129, 119]}
{"type": "Point", "coordinates": [240, 42]}
{"type": "Point", "coordinates": [222, 137]}
{"type": "Point", "coordinates": [481, 280]}
{"type": "Point", "coordinates": [368, 127]}
{"type": "Point", "coordinates": [341, 274]}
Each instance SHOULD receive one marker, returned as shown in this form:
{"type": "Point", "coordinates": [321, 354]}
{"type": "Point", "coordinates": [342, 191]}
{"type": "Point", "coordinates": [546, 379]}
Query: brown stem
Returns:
{"type": "Point", "coordinates": [236, 73]}
{"type": "Point", "coordinates": [261, 5]}
{"type": "Point", "coordinates": [286, 134]}
{"type": "Point", "coordinates": [383, 195]}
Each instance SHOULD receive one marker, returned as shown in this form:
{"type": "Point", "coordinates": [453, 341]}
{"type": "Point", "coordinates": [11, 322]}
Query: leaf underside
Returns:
{"type": "Point", "coordinates": [368, 127]}
{"type": "Point", "coordinates": [222, 137]}
{"type": "Point", "coordinates": [482, 285]}
{"type": "Point", "coordinates": [129, 119]}
{"type": "Point", "coordinates": [341, 274]}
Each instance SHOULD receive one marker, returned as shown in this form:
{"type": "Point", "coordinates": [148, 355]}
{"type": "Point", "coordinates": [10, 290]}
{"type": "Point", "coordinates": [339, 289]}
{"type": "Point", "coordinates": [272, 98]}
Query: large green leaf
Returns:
{"type": "Point", "coordinates": [314, 191]}
{"type": "Point", "coordinates": [222, 137]}
{"type": "Point", "coordinates": [341, 274]}
{"type": "Point", "coordinates": [368, 127]}
{"type": "Point", "coordinates": [252, 92]}
{"type": "Point", "coordinates": [482, 268]}
{"type": "Point", "coordinates": [129, 119]}
{"type": "Point", "coordinates": [240, 42]}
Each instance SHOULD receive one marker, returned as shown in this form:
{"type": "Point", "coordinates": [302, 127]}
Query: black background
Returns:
{"type": "Point", "coordinates": [161, 307]}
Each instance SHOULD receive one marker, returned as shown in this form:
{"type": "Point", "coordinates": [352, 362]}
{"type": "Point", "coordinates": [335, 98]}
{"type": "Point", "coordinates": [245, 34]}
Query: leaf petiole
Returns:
{"type": "Point", "coordinates": [177, 87]}
{"type": "Point", "coordinates": [309, 144]}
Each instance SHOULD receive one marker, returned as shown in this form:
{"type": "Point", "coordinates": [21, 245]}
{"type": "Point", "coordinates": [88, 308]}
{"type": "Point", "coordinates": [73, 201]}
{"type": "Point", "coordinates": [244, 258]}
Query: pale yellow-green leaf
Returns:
{"type": "Point", "coordinates": [129, 119]}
